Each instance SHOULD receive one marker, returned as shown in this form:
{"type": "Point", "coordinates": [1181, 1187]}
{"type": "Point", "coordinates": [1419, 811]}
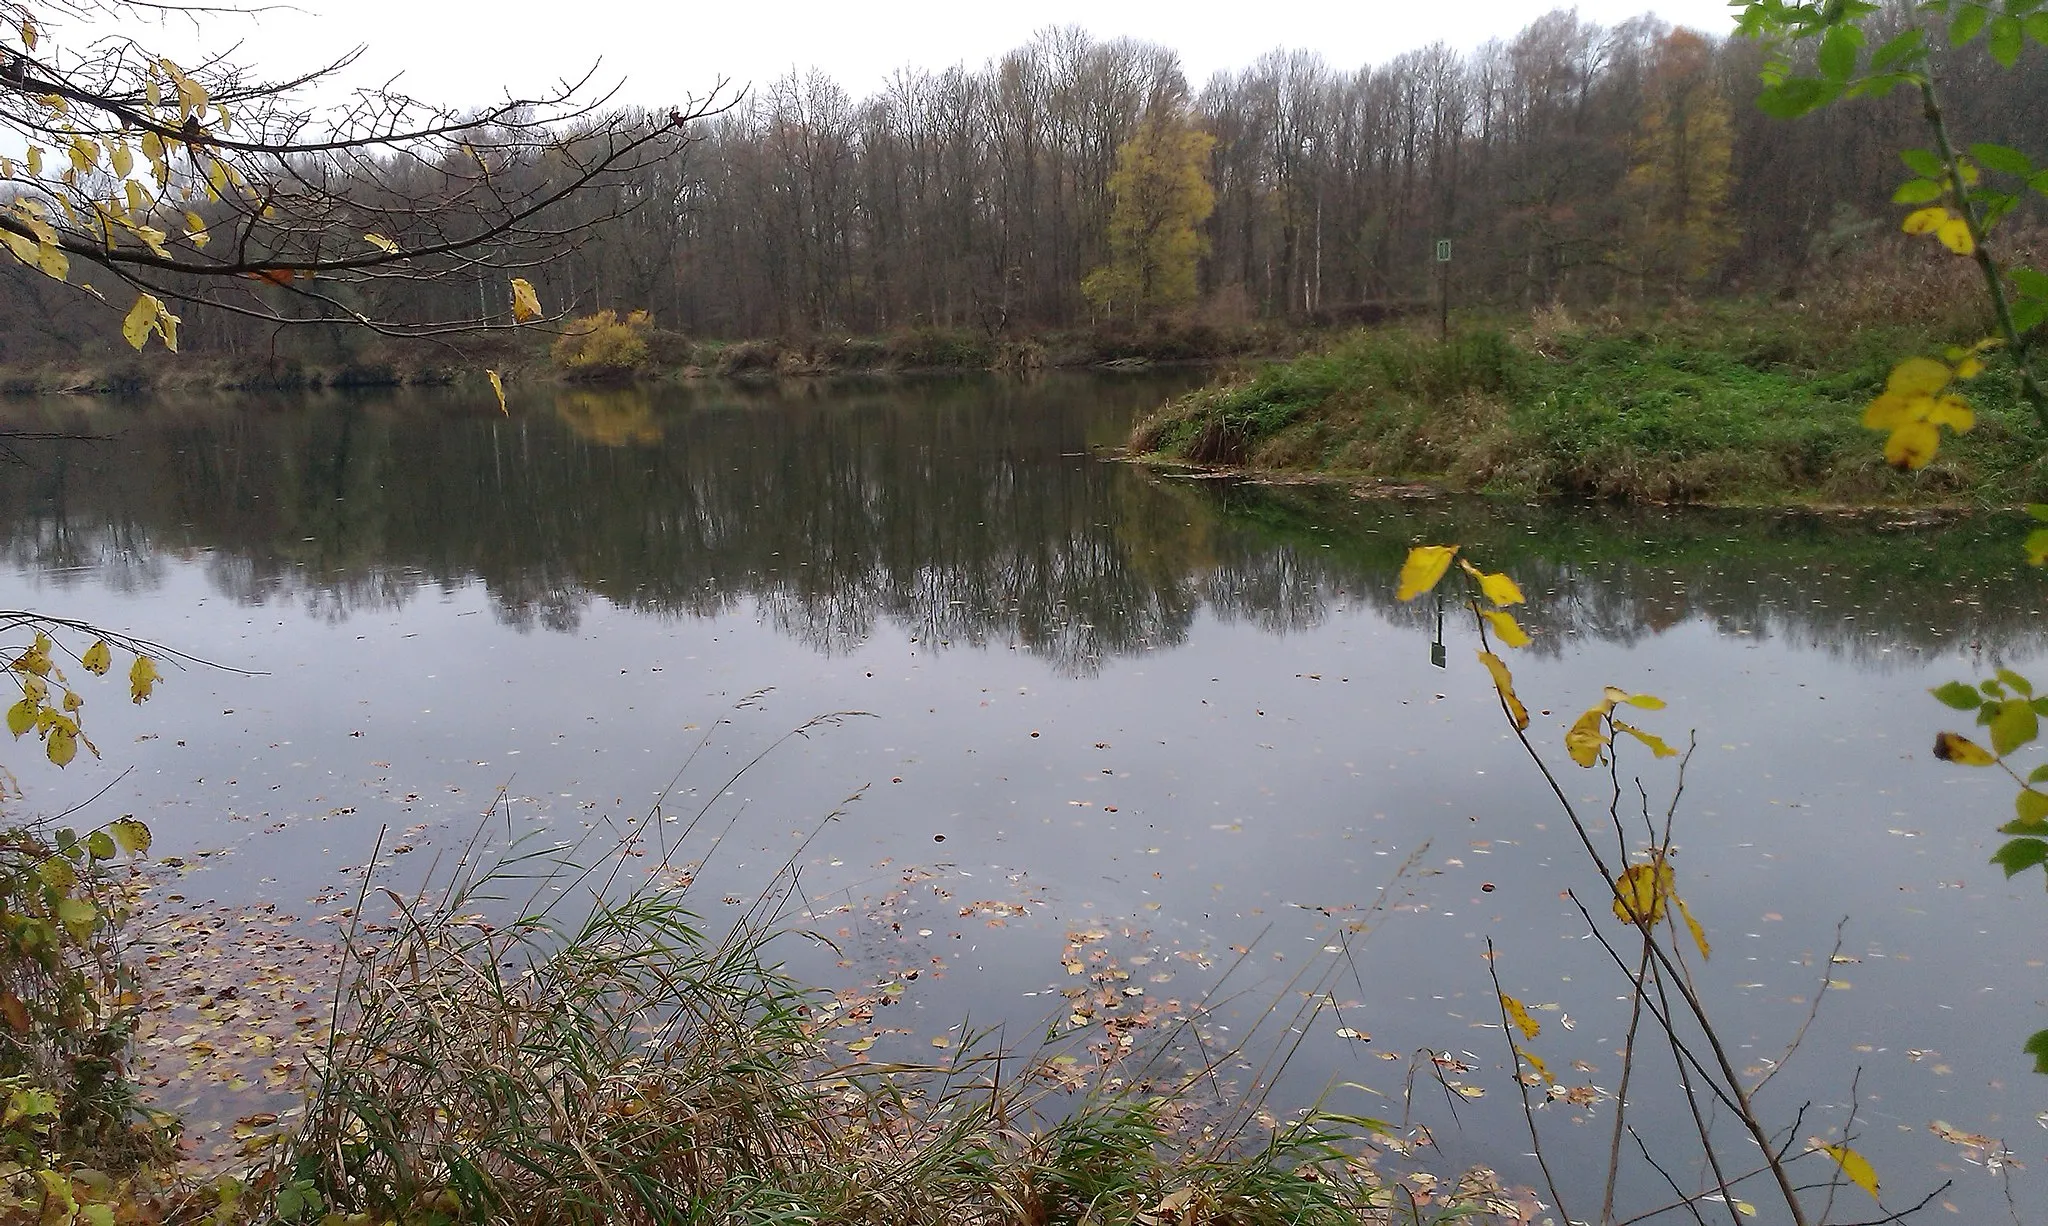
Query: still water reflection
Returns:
{"type": "Point", "coordinates": [1183, 714]}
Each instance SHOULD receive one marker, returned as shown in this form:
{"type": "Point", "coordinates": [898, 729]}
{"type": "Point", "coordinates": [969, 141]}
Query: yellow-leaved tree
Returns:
{"type": "Point", "coordinates": [1678, 225]}
{"type": "Point", "coordinates": [1161, 196]}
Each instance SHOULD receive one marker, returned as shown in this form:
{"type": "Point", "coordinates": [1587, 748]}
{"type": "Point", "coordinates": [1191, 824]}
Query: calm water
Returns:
{"type": "Point", "coordinates": [1163, 733]}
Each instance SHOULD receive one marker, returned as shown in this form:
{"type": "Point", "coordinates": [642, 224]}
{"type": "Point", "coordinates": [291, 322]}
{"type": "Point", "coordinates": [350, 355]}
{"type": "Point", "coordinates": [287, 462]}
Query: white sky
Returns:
{"type": "Point", "coordinates": [467, 52]}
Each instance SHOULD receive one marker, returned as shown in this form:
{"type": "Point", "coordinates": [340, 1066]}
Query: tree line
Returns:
{"type": "Point", "coordinates": [1572, 162]}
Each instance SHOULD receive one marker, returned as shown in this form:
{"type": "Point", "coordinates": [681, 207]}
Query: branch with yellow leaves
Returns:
{"type": "Point", "coordinates": [211, 186]}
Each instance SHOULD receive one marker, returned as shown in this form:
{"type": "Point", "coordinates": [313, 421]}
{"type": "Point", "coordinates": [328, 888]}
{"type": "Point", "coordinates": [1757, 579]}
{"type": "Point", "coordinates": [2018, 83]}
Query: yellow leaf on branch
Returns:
{"type": "Point", "coordinates": [146, 316]}
{"type": "Point", "coordinates": [1639, 893]}
{"type": "Point", "coordinates": [1699, 934]}
{"type": "Point", "coordinates": [142, 678]}
{"type": "Point", "coordinates": [1424, 569]}
{"type": "Point", "coordinates": [1954, 234]}
{"type": "Point", "coordinates": [1505, 683]}
{"type": "Point", "coordinates": [1961, 750]}
{"type": "Point", "coordinates": [1519, 1015]}
{"type": "Point", "coordinates": [1924, 221]}
{"type": "Point", "coordinates": [1587, 736]}
{"type": "Point", "coordinates": [1655, 743]}
{"type": "Point", "coordinates": [525, 303]}
{"type": "Point", "coordinates": [1506, 627]}
{"type": "Point", "coordinates": [1854, 1166]}
{"type": "Point", "coordinates": [1498, 588]}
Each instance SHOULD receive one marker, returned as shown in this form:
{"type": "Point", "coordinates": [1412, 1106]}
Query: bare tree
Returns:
{"type": "Point", "coordinates": [211, 184]}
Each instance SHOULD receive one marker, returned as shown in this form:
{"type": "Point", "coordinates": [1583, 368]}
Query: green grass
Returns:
{"type": "Point", "coordinates": [1735, 404]}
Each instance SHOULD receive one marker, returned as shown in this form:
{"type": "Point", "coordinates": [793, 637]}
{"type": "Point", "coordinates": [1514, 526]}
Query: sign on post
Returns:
{"type": "Point", "coordinates": [1443, 251]}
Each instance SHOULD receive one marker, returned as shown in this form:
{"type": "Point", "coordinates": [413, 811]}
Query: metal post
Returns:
{"type": "Point", "coordinates": [1443, 296]}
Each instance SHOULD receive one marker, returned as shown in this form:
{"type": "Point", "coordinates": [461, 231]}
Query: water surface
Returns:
{"type": "Point", "coordinates": [1123, 734]}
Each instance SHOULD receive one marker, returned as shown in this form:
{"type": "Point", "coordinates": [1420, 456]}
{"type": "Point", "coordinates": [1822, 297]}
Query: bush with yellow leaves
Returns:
{"type": "Point", "coordinates": [603, 346]}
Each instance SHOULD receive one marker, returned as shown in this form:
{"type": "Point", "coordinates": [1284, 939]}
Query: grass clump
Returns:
{"type": "Point", "coordinates": [1393, 373]}
{"type": "Point", "coordinates": [1733, 403]}
{"type": "Point", "coordinates": [601, 1057]}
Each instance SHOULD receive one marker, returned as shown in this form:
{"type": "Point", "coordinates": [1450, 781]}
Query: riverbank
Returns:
{"type": "Point", "coordinates": [667, 357]}
{"type": "Point", "coordinates": [1736, 403]}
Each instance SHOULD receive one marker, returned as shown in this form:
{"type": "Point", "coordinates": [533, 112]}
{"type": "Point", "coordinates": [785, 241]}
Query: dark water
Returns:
{"type": "Point", "coordinates": [1174, 733]}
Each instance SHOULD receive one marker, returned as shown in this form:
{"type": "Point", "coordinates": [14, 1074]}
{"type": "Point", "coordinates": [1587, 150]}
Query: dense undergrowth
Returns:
{"type": "Point", "coordinates": [1735, 403]}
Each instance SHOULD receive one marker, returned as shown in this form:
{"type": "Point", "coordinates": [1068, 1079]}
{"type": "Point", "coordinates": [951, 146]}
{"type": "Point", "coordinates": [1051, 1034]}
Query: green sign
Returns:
{"type": "Point", "coordinates": [1443, 251]}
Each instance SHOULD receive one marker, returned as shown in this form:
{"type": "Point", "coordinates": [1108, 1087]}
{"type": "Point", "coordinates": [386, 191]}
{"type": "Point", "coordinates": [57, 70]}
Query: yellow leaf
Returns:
{"type": "Point", "coordinates": [124, 159]}
{"type": "Point", "coordinates": [23, 247]}
{"type": "Point", "coordinates": [1970, 367]}
{"type": "Point", "coordinates": [62, 746]}
{"type": "Point", "coordinates": [1498, 588]}
{"type": "Point", "coordinates": [1639, 893]}
{"type": "Point", "coordinates": [1655, 743]}
{"type": "Point", "coordinates": [942, 1041]}
{"type": "Point", "coordinates": [1424, 569]}
{"type": "Point", "coordinates": [1953, 412]}
{"type": "Point", "coordinates": [21, 717]}
{"type": "Point", "coordinates": [498, 386]}
{"type": "Point", "coordinates": [1961, 750]}
{"type": "Point", "coordinates": [35, 160]}
{"type": "Point", "coordinates": [1924, 221]}
{"type": "Point", "coordinates": [50, 258]}
{"type": "Point", "coordinates": [381, 243]}
{"type": "Point", "coordinates": [141, 320]}
{"type": "Point", "coordinates": [195, 230]}
{"type": "Point", "coordinates": [1918, 376]}
{"type": "Point", "coordinates": [1505, 683]}
{"type": "Point", "coordinates": [1647, 702]}
{"type": "Point", "coordinates": [28, 34]}
{"type": "Point", "coordinates": [133, 836]}
{"type": "Point", "coordinates": [1699, 934]}
{"type": "Point", "coordinates": [1954, 234]}
{"type": "Point", "coordinates": [85, 153]}
{"type": "Point", "coordinates": [1855, 1166]}
{"type": "Point", "coordinates": [1891, 410]}
{"type": "Point", "coordinates": [1586, 737]}
{"type": "Point", "coordinates": [142, 678]}
{"type": "Point", "coordinates": [1504, 626]}
{"type": "Point", "coordinates": [525, 303]}
{"type": "Point", "coordinates": [1912, 446]}
{"type": "Point", "coordinates": [1520, 1016]}
{"type": "Point", "coordinates": [1542, 1069]}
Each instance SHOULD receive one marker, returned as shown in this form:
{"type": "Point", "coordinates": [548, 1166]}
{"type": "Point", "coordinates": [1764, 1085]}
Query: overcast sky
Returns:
{"type": "Point", "coordinates": [462, 52]}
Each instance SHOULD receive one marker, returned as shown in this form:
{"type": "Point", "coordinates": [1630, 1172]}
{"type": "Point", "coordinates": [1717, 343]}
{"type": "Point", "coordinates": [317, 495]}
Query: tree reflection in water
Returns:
{"type": "Point", "coordinates": [965, 511]}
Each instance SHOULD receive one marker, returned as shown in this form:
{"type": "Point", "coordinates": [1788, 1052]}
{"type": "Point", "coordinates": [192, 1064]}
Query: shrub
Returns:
{"type": "Point", "coordinates": [603, 346]}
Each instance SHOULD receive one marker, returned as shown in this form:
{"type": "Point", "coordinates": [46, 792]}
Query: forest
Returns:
{"type": "Point", "coordinates": [1571, 163]}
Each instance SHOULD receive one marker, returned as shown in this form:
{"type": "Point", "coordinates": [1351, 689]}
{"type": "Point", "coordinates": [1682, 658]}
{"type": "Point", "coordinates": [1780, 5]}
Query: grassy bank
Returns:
{"type": "Point", "coordinates": [1734, 403]}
